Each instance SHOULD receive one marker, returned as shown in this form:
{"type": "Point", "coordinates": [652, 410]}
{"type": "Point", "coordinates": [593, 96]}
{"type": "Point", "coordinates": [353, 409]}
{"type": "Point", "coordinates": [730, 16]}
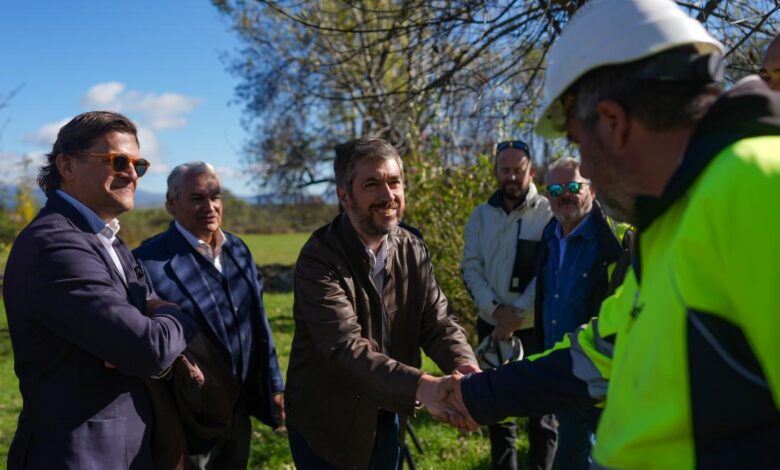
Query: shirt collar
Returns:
{"type": "Point", "coordinates": [110, 230]}
{"type": "Point", "coordinates": [378, 261]}
{"type": "Point", "coordinates": [96, 224]}
{"type": "Point", "coordinates": [199, 244]}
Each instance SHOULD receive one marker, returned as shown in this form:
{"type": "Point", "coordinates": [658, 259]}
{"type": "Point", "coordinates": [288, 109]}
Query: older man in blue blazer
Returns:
{"type": "Point", "coordinates": [211, 275]}
{"type": "Point", "coordinates": [77, 308]}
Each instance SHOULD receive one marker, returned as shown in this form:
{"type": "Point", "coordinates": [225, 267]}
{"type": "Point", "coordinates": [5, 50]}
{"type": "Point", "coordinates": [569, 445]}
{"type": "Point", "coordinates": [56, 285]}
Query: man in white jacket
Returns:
{"type": "Point", "coordinates": [498, 269]}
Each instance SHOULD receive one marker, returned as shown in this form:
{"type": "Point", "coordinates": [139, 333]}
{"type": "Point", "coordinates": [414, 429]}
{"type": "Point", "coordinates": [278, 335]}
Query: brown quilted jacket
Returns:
{"type": "Point", "coordinates": [338, 377]}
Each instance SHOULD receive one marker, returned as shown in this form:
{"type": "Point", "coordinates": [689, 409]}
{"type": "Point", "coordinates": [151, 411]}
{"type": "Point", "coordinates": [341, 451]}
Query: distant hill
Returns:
{"type": "Point", "coordinates": [151, 200]}
{"type": "Point", "coordinates": [148, 200]}
{"type": "Point", "coordinates": [143, 199]}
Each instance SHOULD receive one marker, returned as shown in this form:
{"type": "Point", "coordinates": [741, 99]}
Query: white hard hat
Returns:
{"type": "Point", "coordinates": [605, 32]}
{"type": "Point", "coordinates": [492, 353]}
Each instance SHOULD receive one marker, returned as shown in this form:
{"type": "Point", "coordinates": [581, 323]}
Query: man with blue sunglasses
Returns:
{"type": "Point", "coordinates": [580, 262]}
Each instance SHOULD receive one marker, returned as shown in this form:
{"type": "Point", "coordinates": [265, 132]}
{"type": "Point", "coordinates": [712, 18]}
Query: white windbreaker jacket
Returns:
{"type": "Point", "coordinates": [498, 256]}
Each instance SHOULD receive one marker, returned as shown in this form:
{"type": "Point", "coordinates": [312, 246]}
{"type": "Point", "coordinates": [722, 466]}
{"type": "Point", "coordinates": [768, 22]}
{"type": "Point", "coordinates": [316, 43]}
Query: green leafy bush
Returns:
{"type": "Point", "coordinates": [439, 201]}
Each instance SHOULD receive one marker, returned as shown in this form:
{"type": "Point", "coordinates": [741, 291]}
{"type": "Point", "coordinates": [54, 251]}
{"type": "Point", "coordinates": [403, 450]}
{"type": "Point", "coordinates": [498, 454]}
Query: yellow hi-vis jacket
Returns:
{"type": "Point", "coordinates": [685, 356]}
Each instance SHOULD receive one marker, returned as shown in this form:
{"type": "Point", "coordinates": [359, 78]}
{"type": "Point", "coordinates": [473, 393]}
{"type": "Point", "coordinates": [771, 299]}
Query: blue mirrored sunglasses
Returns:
{"type": "Point", "coordinates": [573, 187]}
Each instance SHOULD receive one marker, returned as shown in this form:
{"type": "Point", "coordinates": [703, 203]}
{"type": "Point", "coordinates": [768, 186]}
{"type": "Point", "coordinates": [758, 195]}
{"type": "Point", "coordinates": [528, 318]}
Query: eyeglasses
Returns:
{"type": "Point", "coordinates": [555, 190]}
{"type": "Point", "coordinates": [121, 162]}
{"type": "Point", "coordinates": [515, 144]}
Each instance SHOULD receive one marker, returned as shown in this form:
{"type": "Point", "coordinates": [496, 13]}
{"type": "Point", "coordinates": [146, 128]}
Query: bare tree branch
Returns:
{"type": "Point", "coordinates": [442, 78]}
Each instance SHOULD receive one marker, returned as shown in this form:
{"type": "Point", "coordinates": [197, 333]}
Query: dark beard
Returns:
{"type": "Point", "coordinates": [514, 199]}
{"type": "Point", "coordinates": [370, 227]}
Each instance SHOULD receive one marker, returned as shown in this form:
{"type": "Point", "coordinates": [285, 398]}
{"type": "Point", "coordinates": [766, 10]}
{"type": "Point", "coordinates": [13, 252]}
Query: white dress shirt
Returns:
{"type": "Point", "coordinates": [212, 255]}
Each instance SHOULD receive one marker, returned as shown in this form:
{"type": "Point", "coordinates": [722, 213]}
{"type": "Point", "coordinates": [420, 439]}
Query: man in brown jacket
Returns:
{"type": "Point", "coordinates": [366, 301]}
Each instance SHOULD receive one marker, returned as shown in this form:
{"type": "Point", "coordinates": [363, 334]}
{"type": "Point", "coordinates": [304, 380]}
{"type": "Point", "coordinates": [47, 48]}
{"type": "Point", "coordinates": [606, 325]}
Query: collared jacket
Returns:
{"type": "Point", "coordinates": [176, 275]}
{"type": "Point", "coordinates": [687, 348]}
{"type": "Point", "coordinates": [613, 257]}
{"type": "Point", "coordinates": [69, 313]}
{"type": "Point", "coordinates": [338, 377]}
{"type": "Point", "coordinates": [499, 250]}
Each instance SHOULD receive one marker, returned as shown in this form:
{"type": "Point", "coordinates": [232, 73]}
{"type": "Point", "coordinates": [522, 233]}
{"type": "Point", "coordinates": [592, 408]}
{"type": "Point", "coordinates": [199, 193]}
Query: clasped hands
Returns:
{"type": "Point", "coordinates": [443, 399]}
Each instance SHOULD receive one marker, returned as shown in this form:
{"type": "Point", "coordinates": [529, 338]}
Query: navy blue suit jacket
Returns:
{"type": "Point", "coordinates": [69, 312]}
{"type": "Point", "coordinates": [176, 276]}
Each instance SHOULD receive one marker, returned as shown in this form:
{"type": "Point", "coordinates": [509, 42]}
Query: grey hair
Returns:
{"type": "Point", "coordinates": [660, 105]}
{"type": "Point", "coordinates": [176, 178]}
{"type": "Point", "coordinates": [565, 162]}
{"type": "Point", "coordinates": [350, 153]}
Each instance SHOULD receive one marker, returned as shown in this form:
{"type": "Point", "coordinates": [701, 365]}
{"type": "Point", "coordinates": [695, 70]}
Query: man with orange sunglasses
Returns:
{"type": "Point", "coordinates": [85, 329]}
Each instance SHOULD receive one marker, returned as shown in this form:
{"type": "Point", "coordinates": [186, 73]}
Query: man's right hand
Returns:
{"type": "Point", "coordinates": [449, 388]}
{"type": "Point", "coordinates": [431, 396]}
{"type": "Point", "coordinates": [508, 319]}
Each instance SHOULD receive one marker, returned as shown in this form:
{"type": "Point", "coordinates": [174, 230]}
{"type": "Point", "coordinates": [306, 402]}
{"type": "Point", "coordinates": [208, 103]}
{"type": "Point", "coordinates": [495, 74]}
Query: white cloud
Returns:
{"type": "Point", "coordinates": [46, 134]}
{"type": "Point", "coordinates": [151, 149]}
{"type": "Point", "coordinates": [103, 96]}
{"type": "Point", "coordinates": [158, 111]}
{"type": "Point", "coordinates": [166, 111]}
{"type": "Point", "coordinates": [231, 172]}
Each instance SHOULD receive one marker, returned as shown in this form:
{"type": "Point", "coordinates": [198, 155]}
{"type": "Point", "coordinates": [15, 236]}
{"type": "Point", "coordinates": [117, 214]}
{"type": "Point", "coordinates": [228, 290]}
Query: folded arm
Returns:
{"type": "Point", "coordinates": [76, 298]}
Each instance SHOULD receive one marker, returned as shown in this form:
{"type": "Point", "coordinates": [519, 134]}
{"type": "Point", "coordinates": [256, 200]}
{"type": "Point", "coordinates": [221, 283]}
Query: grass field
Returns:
{"type": "Point", "coordinates": [443, 447]}
{"type": "Point", "coordinates": [282, 248]}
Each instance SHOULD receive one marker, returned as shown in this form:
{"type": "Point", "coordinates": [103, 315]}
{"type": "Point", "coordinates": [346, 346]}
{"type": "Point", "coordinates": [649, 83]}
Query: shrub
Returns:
{"type": "Point", "coordinates": [439, 202]}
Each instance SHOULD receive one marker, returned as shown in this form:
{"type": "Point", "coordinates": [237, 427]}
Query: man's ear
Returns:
{"type": "Point", "coordinates": [613, 126]}
{"type": "Point", "coordinates": [342, 195]}
{"type": "Point", "coordinates": [169, 204]}
{"type": "Point", "coordinates": [64, 166]}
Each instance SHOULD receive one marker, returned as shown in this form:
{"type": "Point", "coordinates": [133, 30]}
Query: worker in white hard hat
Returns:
{"type": "Point", "coordinates": [685, 357]}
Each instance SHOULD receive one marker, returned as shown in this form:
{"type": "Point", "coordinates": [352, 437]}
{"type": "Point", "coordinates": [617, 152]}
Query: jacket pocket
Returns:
{"type": "Point", "coordinates": [100, 444]}
{"type": "Point", "coordinates": [94, 445]}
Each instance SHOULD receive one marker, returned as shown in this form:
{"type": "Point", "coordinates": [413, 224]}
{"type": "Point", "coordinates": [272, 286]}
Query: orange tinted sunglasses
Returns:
{"type": "Point", "coordinates": [121, 162]}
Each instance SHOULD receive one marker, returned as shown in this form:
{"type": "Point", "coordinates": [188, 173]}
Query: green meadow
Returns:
{"type": "Point", "coordinates": [275, 248]}
{"type": "Point", "coordinates": [442, 446]}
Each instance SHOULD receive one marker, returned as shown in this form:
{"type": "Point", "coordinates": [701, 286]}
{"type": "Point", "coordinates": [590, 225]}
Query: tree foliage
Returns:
{"type": "Point", "coordinates": [442, 80]}
{"type": "Point", "coordinates": [452, 76]}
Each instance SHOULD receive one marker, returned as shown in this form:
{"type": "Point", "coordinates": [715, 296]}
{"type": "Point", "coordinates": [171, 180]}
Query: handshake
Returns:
{"type": "Point", "coordinates": [442, 397]}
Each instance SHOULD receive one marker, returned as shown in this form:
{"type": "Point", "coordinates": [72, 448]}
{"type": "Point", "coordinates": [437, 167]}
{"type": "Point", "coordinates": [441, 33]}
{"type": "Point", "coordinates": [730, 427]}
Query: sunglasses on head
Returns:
{"type": "Point", "coordinates": [573, 187]}
{"type": "Point", "coordinates": [121, 162]}
{"type": "Point", "coordinates": [515, 144]}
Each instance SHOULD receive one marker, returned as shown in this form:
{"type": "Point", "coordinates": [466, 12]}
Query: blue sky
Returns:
{"type": "Point", "coordinates": [159, 62]}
